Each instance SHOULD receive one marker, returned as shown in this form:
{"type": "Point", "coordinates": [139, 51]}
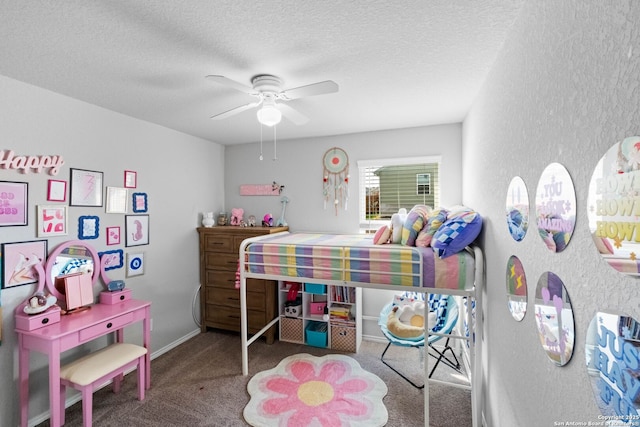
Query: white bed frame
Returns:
{"type": "Point", "coordinates": [474, 337]}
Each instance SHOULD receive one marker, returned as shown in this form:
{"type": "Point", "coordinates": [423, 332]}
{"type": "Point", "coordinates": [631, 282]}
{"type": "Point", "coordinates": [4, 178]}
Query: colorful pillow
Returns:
{"type": "Point", "coordinates": [436, 219]}
{"type": "Point", "coordinates": [457, 232]}
{"type": "Point", "coordinates": [397, 221]}
{"type": "Point", "coordinates": [382, 236]}
{"type": "Point", "coordinates": [416, 219]}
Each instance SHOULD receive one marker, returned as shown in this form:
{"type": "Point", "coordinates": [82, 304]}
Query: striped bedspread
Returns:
{"type": "Point", "coordinates": [354, 258]}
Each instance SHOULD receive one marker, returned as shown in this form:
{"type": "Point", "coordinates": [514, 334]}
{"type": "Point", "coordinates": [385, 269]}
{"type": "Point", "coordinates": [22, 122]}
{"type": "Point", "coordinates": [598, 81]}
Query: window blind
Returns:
{"type": "Point", "coordinates": [389, 185]}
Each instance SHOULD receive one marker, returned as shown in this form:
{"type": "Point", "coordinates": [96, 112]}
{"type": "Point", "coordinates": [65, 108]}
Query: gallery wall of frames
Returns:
{"type": "Point", "coordinates": [83, 188]}
{"type": "Point", "coordinates": [613, 209]}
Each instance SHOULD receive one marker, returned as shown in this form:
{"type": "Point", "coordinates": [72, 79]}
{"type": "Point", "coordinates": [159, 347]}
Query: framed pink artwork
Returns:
{"type": "Point", "coordinates": [113, 236]}
{"type": "Point", "coordinates": [130, 179]}
{"type": "Point", "coordinates": [57, 191]}
{"type": "Point", "coordinates": [18, 261]}
{"type": "Point", "coordinates": [136, 230]}
{"type": "Point", "coordinates": [52, 220]}
{"type": "Point", "coordinates": [86, 188]}
{"type": "Point", "coordinates": [13, 203]}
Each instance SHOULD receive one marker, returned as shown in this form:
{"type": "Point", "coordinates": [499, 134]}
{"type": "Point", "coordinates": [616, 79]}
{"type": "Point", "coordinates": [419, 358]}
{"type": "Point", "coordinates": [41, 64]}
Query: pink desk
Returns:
{"type": "Point", "coordinates": [72, 331]}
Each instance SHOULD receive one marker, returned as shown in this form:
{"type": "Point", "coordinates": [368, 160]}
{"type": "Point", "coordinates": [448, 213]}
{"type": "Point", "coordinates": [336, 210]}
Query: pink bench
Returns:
{"type": "Point", "coordinates": [93, 370]}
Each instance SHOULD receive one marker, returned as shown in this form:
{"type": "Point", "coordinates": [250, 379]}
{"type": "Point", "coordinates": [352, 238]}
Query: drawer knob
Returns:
{"type": "Point", "coordinates": [109, 325]}
{"type": "Point", "coordinates": [45, 320]}
{"type": "Point", "coordinates": [121, 297]}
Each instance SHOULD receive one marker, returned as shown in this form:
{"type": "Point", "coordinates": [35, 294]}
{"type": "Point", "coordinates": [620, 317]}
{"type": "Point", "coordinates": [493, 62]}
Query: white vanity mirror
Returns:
{"type": "Point", "coordinates": [516, 288]}
{"type": "Point", "coordinates": [555, 207]}
{"type": "Point", "coordinates": [77, 263]}
{"type": "Point", "coordinates": [613, 207]}
{"type": "Point", "coordinates": [517, 208]}
{"type": "Point", "coordinates": [554, 318]}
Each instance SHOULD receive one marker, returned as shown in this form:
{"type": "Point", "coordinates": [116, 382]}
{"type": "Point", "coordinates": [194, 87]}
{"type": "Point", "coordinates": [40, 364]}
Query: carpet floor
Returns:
{"type": "Point", "coordinates": [200, 383]}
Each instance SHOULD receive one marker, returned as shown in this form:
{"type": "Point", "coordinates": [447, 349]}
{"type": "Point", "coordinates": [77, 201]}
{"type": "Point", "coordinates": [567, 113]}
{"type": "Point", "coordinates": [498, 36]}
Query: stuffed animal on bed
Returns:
{"type": "Point", "coordinates": [407, 321]}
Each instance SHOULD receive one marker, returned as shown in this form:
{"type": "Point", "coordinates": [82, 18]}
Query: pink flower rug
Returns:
{"type": "Point", "coordinates": [305, 390]}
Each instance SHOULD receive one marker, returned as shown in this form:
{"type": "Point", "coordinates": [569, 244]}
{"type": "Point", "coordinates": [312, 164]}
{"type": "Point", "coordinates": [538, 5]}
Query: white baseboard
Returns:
{"type": "Point", "coordinates": [39, 419]}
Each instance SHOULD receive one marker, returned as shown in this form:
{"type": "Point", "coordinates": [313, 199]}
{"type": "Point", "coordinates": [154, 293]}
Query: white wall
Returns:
{"type": "Point", "coordinates": [564, 89]}
{"type": "Point", "coordinates": [299, 168]}
{"type": "Point", "coordinates": [182, 175]}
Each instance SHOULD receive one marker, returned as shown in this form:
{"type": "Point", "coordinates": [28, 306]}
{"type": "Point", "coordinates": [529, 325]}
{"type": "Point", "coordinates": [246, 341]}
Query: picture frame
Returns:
{"type": "Point", "coordinates": [88, 227]}
{"type": "Point", "coordinates": [139, 202]}
{"type": "Point", "coordinates": [18, 261]}
{"type": "Point", "coordinates": [52, 220]}
{"type": "Point", "coordinates": [136, 230]}
{"type": "Point", "coordinates": [130, 179]}
{"type": "Point", "coordinates": [111, 260]}
{"type": "Point", "coordinates": [14, 203]}
{"type": "Point", "coordinates": [113, 235]}
{"type": "Point", "coordinates": [116, 200]}
{"type": "Point", "coordinates": [135, 264]}
{"type": "Point", "coordinates": [86, 188]}
{"type": "Point", "coordinates": [56, 190]}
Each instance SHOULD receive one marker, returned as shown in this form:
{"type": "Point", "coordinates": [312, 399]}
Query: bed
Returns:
{"type": "Point", "coordinates": [353, 260]}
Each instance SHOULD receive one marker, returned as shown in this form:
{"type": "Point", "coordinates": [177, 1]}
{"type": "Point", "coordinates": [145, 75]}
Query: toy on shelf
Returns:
{"type": "Point", "coordinates": [293, 304]}
{"type": "Point", "coordinates": [236, 216]}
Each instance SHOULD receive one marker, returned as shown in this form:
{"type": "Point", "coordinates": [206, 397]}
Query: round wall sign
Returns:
{"type": "Point", "coordinates": [613, 206]}
{"type": "Point", "coordinates": [555, 207]}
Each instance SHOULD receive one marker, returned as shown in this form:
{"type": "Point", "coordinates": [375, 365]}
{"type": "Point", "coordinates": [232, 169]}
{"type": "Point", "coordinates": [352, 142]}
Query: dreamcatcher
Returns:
{"type": "Point", "coordinates": [335, 179]}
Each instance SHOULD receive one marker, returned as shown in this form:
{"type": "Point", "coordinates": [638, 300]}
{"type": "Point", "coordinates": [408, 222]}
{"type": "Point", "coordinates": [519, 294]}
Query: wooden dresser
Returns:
{"type": "Point", "coordinates": [219, 299]}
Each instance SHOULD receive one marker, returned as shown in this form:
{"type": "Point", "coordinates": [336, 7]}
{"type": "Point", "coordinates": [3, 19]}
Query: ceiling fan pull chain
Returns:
{"type": "Point", "coordinates": [261, 143]}
{"type": "Point", "coordinates": [275, 146]}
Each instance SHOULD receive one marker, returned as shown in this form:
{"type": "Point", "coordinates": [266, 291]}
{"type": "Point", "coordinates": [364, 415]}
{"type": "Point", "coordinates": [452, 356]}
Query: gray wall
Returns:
{"type": "Point", "coordinates": [564, 89]}
{"type": "Point", "coordinates": [182, 175]}
{"type": "Point", "coordinates": [299, 169]}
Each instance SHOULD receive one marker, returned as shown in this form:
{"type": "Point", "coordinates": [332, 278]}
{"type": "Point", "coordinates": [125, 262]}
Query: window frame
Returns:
{"type": "Point", "coordinates": [371, 225]}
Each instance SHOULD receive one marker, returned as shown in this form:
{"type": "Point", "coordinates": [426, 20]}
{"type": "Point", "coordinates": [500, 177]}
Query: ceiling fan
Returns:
{"type": "Point", "coordinates": [268, 89]}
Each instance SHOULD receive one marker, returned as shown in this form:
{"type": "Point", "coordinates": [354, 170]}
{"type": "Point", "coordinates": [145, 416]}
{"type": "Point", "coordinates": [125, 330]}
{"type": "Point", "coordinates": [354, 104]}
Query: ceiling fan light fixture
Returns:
{"type": "Point", "coordinates": [269, 115]}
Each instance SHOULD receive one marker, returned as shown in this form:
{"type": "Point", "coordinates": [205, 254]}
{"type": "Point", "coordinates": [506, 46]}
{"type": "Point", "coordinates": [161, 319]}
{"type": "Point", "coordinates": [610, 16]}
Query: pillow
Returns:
{"type": "Point", "coordinates": [397, 221]}
{"type": "Point", "coordinates": [436, 219]}
{"type": "Point", "coordinates": [416, 219]}
{"type": "Point", "coordinates": [457, 232]}
{"type": "Point", "coordinates": [382, 236]}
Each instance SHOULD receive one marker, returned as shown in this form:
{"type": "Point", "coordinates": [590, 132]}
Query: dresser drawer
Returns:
{"type": "Point", "coordinates": [231, 298]}
{"type": "Point", "coordinates": [227, 280]}
{"type": "Point", "coordinates": [105, 327]}
{"type": "Point", "coordinates": [221, 261]}
{"type": "Point", "coordinates": [218, 242]}
{"type": "Point", "coordinates": [229, 318]}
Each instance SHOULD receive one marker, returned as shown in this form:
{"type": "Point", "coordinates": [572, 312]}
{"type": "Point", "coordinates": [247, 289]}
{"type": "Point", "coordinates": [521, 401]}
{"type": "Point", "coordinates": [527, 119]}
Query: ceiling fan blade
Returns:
{"type": "Point", "coordinates": [235, 110]}
{"type": "Point", "coordinates": [320, 88]}
{"type": "Point", "coordinates": [291, 114]}
{"type": "Point", "coordinates": [232, 84]}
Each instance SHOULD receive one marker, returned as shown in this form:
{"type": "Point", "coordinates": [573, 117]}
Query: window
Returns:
{"type": "Point", "coordinates": [390, 184]}
{"type": "Point", "coordinates": [423, 183]}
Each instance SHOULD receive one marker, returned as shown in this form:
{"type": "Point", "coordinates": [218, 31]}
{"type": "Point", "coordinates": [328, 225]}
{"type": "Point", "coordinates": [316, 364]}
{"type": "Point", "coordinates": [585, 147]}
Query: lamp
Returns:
{"type": "Point", "coordinates": [269, 115]}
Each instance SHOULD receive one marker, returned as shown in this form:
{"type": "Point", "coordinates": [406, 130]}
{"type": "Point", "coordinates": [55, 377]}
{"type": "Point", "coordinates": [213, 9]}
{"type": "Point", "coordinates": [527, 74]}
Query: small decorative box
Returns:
{"type": "Point", "coordinates": [111, 298]}
{"type": "Point", "coordinates": [317, 308]}
{"type": "Point", "coordinates": [30, 322]}
{"type": "Point", "coordinates": [314, 288]}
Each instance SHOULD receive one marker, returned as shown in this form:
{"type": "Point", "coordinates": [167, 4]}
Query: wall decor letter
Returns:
{"type": "Point", "coordinates": [25, 164]}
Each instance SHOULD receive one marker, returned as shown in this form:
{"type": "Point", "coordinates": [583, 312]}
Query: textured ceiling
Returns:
{"type": "Point", "coordinates": [398, 63]}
